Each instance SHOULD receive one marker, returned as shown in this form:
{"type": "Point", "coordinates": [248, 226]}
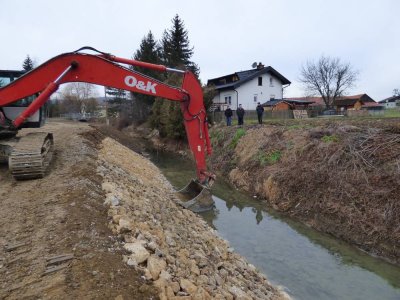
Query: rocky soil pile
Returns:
{"type": "Point", "coordinates": [54, 237]}
{"type": "Point", "coordinates": [339, 177]}
{"type": "Point", "coordinates": [172, 246]}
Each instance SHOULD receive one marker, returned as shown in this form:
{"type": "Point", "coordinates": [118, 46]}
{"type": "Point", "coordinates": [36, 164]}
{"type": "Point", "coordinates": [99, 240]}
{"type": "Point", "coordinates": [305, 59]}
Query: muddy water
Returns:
{"type": "Point", "coordinates": [310, 265]}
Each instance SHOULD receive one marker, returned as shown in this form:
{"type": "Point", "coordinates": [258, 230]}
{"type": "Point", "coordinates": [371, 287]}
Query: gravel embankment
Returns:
{"type": "Point", "coordinates": [172, 246]}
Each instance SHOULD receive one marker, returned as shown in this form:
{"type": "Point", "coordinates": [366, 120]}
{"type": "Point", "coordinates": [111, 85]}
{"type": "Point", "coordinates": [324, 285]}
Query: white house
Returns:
{"type": "Point", "coordinates": [260, 84]}
{"type": "Point", "coordinates": [391, 102]}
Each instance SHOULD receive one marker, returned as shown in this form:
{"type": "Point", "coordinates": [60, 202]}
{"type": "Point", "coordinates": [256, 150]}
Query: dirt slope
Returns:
{"type": "Point", "coordinates": [340, 177]}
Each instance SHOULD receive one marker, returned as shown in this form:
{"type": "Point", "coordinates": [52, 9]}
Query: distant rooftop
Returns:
{"type": "Point", "coordinates": [390, 99]}
{"type": "Point", "coordinates": [343, 100]}
{"type": "Point", "coordinates": [238, 78]}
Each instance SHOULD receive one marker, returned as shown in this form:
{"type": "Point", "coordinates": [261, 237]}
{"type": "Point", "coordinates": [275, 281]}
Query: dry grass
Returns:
{"type": "Point", "coordinates": [341, 178]}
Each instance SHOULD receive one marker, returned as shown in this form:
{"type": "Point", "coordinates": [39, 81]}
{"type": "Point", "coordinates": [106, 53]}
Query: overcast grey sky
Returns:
{"type": "Point", "coordinates": [227, 36]}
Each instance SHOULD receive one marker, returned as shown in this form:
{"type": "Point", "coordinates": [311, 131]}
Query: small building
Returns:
{"type": "Point", "coordinates": [287, 104]}
{"type": "Point", "coordinates": [314, 101]}
{"type": "Point", "coordinates": [249, 87]}
{"type": "Point", "coordinates": [391, 102]}
{"type": "Point", "coordinates": [355, 102]}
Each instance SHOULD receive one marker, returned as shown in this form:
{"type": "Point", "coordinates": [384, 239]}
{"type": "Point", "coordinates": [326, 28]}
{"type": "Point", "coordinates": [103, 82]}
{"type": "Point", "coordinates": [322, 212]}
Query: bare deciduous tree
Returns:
{"type": "Point", "coordinates": [396, 92]}
{"type": "Point", "coordinates": [327, 77]}
{"type": "Point", "coordinates": [79, 90]}
{"type": "Point", "coordinates": [76, 94]}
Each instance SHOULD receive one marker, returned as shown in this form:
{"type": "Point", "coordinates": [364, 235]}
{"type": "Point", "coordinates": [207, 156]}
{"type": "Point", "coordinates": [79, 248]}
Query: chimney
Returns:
{"type": "Point", "coordinates": [260, 66]}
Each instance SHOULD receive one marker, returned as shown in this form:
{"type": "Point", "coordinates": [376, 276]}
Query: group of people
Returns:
{"type": "Point", "coordinates": [240, 112]}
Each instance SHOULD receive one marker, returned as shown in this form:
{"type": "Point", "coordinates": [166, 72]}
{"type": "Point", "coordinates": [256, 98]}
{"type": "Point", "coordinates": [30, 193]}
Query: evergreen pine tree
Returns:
{"type": "Point", "coordinates": [149, 51]}
{"type": "Point", "coordinates": [27, 65]}
{"type": "Point", "coordinates": [176, 47]}
{"type": "Point", "coordinates": [176, 52]}
{"type": "Point", "coordinates": [167, 117]}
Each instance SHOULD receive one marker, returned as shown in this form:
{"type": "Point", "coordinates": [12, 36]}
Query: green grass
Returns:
{"type": "Point", "coordinates": [392, 113]}
{"type": "Point", "coordinates": [269, 158]}
{"type": "Point", "coordinates": [238, 135]}
{"type": "Point", "coordinates": [217, 137]}
{"type": "Point", "coordinates": [330, 139]}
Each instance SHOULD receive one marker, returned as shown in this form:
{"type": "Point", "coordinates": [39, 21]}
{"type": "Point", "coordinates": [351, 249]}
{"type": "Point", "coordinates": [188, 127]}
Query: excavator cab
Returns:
{"type": "Point", "coordinates": [12, 110]}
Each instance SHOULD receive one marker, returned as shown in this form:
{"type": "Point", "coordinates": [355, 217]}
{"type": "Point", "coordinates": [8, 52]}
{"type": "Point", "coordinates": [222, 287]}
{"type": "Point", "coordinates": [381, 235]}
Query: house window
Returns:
{"type": "Point", "coordinates": [228, 100]}
{"type": "Point", "coordinates": [271, 82]}
{"type": "Point", "coordinates": [255, 97]}
{"type": "Point", "coordinates": [259, 81]}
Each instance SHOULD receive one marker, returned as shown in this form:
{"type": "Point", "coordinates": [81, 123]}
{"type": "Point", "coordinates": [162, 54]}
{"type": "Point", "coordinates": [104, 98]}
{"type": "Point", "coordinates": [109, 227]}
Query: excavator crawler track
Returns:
{"type": "Point", "coordinates": [31, 156]}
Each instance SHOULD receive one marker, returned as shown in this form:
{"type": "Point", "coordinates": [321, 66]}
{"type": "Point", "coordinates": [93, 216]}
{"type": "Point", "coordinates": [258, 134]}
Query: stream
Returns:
{"type": "Point", "coordinates": [308, 264]}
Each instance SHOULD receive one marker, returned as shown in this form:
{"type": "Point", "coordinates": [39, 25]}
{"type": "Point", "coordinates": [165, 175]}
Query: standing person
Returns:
{"type": "Point", "coordinates": [260, 112]}
{"type": "Point", "coordinates": [228, 115]}
{"type": "Point", "coordinates": [240, 114]}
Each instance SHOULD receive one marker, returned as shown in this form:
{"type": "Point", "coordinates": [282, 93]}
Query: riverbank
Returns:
{"type": "Point", "coordinates": [172, 246]}
{"type": "Point", "coordinates": [340, 177]}
{"type": "Point", "coordinates": [348, 268]}
{"type": "Point", "coordinates": [103, 224]}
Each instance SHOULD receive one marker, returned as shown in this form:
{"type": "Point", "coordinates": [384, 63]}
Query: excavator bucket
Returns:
{"type": "Point", "coordinates": [196, 197]}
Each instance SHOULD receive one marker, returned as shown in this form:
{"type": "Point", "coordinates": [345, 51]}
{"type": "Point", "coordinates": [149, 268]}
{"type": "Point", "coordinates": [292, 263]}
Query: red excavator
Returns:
{"type": "Point", "coordinates": [23, 95]}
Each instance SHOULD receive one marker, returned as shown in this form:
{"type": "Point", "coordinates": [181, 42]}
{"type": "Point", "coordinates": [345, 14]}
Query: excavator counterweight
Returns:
{"type": "Point", "coordinates": [30, 158]}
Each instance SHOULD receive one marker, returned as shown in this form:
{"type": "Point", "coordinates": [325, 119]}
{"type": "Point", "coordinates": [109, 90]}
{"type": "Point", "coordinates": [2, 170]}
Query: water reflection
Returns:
{"type": "Point", "coordinates": [343, 253]}
{"type": "Point", "coordinates": [312, 265]}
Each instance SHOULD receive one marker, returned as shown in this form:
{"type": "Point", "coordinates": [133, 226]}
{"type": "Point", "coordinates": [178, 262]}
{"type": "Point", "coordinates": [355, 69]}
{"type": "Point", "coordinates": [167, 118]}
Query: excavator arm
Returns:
{"type": "Point", "coordinates": [105, 69]}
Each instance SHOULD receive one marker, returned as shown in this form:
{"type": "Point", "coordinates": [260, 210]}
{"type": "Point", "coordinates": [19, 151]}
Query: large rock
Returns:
{"type": "Point", "coordinates": [239, 294]}
{"type": "Point", "coordinates": [188, 286]}
{"type": "Point", "coordinates": [139, 254]}
{"type": "Point", "coordinates": [201, 294]}
{"type": "Point", "coordinates": [112, 200]}
{"type": "Point", "coordinates": [124, 225]}
{"type": "Point", "coordinates": [155, 265]}
{"type": "Point", "coordinates": [194, 268]}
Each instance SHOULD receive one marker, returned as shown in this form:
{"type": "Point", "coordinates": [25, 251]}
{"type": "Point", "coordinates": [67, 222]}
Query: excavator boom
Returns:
{"type": "Point", "coordinates": [104, 69]}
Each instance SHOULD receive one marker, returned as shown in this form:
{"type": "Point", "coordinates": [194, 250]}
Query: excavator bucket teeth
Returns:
{"type": "Point", "coordinates": [196, 197]}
